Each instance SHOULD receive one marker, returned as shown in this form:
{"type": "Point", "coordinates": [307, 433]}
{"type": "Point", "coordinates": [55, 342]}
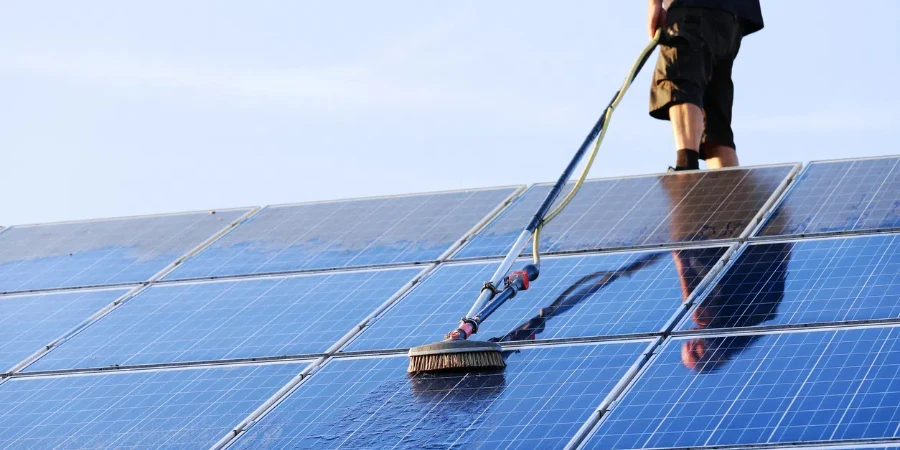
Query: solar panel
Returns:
{"type": "Point", "coordinates": [804, 282]}
{"type": "Point", "coordinates": [184, 408]}
{"type": "Point", "coordinates": [640, 211]}
{"type": "Point", "coordinates": [28, 322]}
{"type": "Point", "coordinates": [248, 318]}
{"type": "Point", "coordinates": [103, 252]}
{"type": "Point", "coordinates": [349, 233]}
{"type": "Point", "coordinates": [833, 196]}
{"type": "Point", "coordinates": [540, 401]}
{"type": "Point", "coordinates": [575, 296]}
{"type": "Point", "coordinates": [761, 389]}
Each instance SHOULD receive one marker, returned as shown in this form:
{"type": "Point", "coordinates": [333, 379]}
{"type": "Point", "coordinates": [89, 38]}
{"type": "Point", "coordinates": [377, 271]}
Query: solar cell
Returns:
{"type": "Point", "coordinates": [640, 211]}
{"type": "Point", "coordinates": [172, 409]}
{"type": "Point", "coordinates": [103, 252]}
{"type": "Point", "coordinates": [348, 233]}
{"type": "Point", "coordinates": [575, 296]}
{"type": "Point", "coordinates": [540, 401]}
{"type": "Point", "coordinates": [833, 196]}
{"type": "Point", "coordinates": [803, 282]}
{"type": "Point", "coordinates": [28, 322]}
{"type": "Point", "coordinates": [759, 389]}
{"type": "Point", "coordinates": [246, 318]}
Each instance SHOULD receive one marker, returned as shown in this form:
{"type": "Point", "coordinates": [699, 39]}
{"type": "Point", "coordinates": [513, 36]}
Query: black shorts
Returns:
{"type": "Point", "coordinates": [696, 53]}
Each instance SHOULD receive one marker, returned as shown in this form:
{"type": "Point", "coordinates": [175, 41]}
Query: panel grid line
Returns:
{"type": "Point", "coordinates": [414, 228]}
{"type": "Point", "coordinates": [775, 200]}
{"type": "Point", "coordinates": [514, 380]}
{"type": "Point", "coordinates": [590, 426]}
{"type": "Point", "coordinates": [822, 366]}
{"type": "Point", "coordinates": [838, 195]}
{"type": "Point", "coordinates": [125, 297]}
{"type": "Point", "coordinates": [827, 282]}
{"type": "Point", "coordinates": [75, 330]}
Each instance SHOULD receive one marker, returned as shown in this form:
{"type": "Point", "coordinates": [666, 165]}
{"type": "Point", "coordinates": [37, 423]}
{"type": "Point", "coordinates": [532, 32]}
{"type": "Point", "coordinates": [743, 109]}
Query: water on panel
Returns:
{"type": "Point", "coordinates": [639, 211]}
{"type": "Point", "coordinates": [812, 386]}
{"type": "Point", "coordinates": [574, 296]}
{"type": "Point", "coordinates": [834, 196]}
{"type": "Point", "coordinates": [540, 401]}
{"type": "Point", "coordinates": [247, 318]}
{"type": "Point", "coordinates": [103, 252]}
{"type": "Point", "coordinates": [31, 321]}
{"type": "Point", "coordinates": [159, 409]}
{"type": "Point", "coordinates": [805, 282]}
{"type": "Point", "coordinates": [348, 233]}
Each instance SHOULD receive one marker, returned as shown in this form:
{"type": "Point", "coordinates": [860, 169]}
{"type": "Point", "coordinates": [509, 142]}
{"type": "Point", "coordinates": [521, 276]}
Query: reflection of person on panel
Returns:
{"type": "Point", "coordinates": [748, 295]}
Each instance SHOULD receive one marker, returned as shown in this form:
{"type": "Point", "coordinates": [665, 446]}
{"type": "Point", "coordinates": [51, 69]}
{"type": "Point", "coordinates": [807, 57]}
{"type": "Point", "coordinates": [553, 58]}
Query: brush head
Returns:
{"type": "Point", "coordinates": [455, 355]}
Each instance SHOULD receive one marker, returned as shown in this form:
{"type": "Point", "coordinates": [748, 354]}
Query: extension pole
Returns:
{"type": "Point", "coordinates": [490, 289]}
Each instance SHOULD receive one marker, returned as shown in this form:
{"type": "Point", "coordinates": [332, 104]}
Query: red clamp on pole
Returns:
{"type": "Point", "coordinates": [522, 275]}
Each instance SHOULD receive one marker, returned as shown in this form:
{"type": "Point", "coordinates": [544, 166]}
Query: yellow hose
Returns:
{"type": "Point", "coordinates": [535, 247]}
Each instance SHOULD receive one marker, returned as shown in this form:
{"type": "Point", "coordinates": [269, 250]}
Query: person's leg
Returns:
{"type": "Point", "coordinates": [718, 147]}
{"type": "Point", "coordinates": [719, 156]}
{"type": "Point", "coordinates": [687, 127]}
{"type": "Point", "coordinates": [679, 81]}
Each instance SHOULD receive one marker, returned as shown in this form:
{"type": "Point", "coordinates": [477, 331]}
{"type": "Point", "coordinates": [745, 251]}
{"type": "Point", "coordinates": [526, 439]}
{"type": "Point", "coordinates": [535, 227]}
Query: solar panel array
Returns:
{"type": "Point", "coordinates": [739, 308]}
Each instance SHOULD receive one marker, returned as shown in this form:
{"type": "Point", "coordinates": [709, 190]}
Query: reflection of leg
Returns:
{"type": "Point", "coordinates": [718, 156]}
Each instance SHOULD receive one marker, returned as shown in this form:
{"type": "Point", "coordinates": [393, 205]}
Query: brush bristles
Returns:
{"type": "Point", "coordinates": [456, 361]}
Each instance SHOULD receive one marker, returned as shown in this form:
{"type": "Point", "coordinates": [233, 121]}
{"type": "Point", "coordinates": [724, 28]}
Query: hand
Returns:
{"type": "Point", "coordinates": [656, 17]}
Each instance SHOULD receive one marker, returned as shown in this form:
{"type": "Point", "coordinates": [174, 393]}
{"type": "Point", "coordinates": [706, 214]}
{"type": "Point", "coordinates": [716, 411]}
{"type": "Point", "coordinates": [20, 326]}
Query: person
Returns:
{"type": "Point", "coordinates": [692, 84]}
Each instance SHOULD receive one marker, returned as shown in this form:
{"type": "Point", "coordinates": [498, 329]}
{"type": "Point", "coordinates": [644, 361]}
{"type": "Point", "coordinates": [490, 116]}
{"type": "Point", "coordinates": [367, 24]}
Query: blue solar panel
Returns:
{"type": "Point", "coordinates": [349, 233]}
{"type": "Point", "coordinates": [575, 296]}
{"type": "Point", "coordinates": [823, 280]}
{"type": "Point", "coordinates": [172, 409]}
{"type": "Point", "coordinates": [95, 253]}
{"type": "Point", "coordinates": [229, 320]}
{"type": "Point", "coordinates": [639, 211]}
{"type": "Point", "coordinates": [540, 401]}
{"type": "Point", "coordinates": [834, 196]}
{"type": "Point", "coordinates": [28, 322]}
{"type": "Point", "coordinates": [759, 389]}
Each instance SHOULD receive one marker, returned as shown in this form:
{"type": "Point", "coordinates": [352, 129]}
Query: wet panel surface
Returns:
{"type": "Point", "coordinates": [114, 251]}
{"type": "Point", "coordinates": [169, 409]}
{"type": "Point", "coordinates": [757, 389]}
{"type": "Point", "coordinates": [540, 401]}
{"type": "Point", "coordinates": [348, 233]}
{"type": "Point", "coordinates": [29, 322]}
{"type": "Point", "coordinates": [824, 280]}
{"type": "Point", "coordinates": [833, 196]}
{"type": "Point", "coordinates": [574, 296]}
{"type": "Point", "coordinates": [639, 211]}
{"type": "Point", "coordinates": [248, 318]}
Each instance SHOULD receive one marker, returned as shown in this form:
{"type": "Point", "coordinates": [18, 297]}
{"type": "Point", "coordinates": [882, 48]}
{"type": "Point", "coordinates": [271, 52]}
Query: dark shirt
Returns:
{"type": "Point", "coordinates": [748, 11]}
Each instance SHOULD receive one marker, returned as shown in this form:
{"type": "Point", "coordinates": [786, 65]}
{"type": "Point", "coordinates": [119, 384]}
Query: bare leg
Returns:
{"type": "Point", "coordinates": [718, 156]}
{"type": "Point", "coordinates": [687, 124]}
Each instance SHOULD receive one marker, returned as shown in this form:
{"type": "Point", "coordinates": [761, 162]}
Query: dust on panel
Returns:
{"type": "Point", "coordinates": [639, 211]}
{"type": "Point", "coordinates": [31, 321]}
{"type": "Point", "coordinates": [540, 401]}
{"type": "Point", "coordinates": [761, 389]}
{"type": "Point", "coordinates": [348, 233]}
{"type": "Point", "coordinates": [835, 196]}
{"type": "Point", "coordinates": [803, 282]}
{"type": "Point", "coordinates": [166, 409]}
{"type": "Point", "coordinates": [574, 296]}
{"type": "Point", "coordinates": [248, 318]}
{"type": "Point", "coordinates": [103, 252]}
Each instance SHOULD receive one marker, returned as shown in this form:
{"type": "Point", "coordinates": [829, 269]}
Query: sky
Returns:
{"type": "Point", "coordinates": [111, 108]}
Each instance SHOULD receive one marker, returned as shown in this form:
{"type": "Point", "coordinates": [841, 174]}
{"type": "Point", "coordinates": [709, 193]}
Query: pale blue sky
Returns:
{"type": "Point", "coordinates": [114, 108]}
